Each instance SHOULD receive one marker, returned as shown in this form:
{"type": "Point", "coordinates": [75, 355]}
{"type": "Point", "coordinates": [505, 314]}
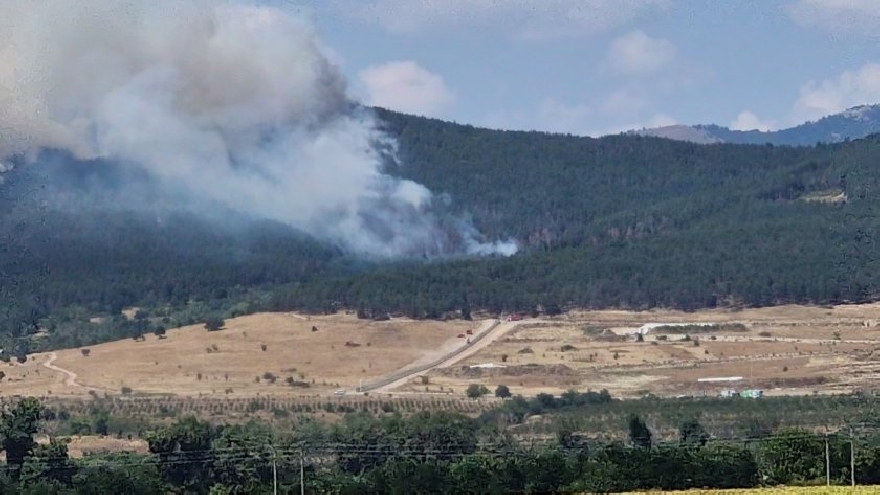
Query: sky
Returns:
{"type": "Point", "coordinates": [594, 67]}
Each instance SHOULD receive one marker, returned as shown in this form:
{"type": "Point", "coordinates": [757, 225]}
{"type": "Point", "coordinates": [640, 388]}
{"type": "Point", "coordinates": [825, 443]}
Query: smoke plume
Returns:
{"type": "Point", "coordinates": [233, 103]}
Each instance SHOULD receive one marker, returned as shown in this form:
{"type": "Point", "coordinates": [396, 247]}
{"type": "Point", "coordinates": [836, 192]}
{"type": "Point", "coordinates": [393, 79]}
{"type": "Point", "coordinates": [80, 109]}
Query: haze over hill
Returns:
{"type": "Point", "coordinates": [853, 123]}
{"type": "Point", "coordinates": [621, 221]}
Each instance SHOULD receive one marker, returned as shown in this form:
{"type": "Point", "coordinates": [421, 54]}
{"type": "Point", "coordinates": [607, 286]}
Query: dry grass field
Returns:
{"type": "Point", "coordinates": [231, 362]}
{"type": "Point", "coordinates": [782, 350]}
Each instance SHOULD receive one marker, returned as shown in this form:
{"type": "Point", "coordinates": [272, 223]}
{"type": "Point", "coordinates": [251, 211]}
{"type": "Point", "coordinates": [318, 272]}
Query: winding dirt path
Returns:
{"type": "Point", "coordinates": [69, 376]}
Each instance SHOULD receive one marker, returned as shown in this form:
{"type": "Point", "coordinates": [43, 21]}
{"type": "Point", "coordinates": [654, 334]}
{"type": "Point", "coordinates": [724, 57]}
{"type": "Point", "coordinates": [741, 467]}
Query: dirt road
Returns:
{"type": "Point", "coordinates": [69, 376]}
{"type": "Point", "coordinates": [490, 331]}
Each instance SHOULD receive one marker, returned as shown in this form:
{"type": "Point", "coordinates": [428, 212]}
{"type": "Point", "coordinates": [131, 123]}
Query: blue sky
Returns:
{"type": "Point", "coordinates": [592, 67]}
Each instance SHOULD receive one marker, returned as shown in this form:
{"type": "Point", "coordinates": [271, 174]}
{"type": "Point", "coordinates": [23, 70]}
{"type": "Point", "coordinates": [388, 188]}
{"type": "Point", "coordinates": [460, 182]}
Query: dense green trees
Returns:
{"type": "Point", "coordinates": [17, 428]}
{"type": "Point", "coordinates": [435, 453]}
{"type": "Point", "coordinates": [621, 221]}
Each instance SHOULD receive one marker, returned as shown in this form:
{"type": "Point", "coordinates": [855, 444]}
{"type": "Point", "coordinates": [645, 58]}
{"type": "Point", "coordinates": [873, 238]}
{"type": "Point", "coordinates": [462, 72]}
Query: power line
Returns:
{"type": "Point", "coordinates": [449, 450]}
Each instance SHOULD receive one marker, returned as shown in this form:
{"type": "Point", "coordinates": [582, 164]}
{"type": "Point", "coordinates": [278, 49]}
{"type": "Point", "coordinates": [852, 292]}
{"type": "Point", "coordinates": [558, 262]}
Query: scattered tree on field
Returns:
{"type": "Point", "coordinates": [214, 323]}
{"type": "Point", "coordinates": [475, 391]}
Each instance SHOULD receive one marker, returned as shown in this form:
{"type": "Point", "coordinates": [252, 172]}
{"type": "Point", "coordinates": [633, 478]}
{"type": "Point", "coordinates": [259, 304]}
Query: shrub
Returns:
{"type": "Point", "coordinates": [212, 324]}
{"type": "Point", "coordinates": [474, 391]}
{"type": "Point", "coordinates": [502, 392]}
{"type": "Point", "coordinates": [126, 390]}
{"type": "Point", "coordinates": [263, 347]}
{"type": "Point", "coordinates": [85, 352]}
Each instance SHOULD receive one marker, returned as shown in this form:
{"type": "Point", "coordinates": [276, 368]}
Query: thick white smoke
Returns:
{"type": "Point", "coordinates": [234, 102]}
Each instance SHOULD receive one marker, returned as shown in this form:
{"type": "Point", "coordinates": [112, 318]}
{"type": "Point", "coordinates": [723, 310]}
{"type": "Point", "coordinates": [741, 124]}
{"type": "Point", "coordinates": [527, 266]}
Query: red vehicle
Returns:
{"type": "Point", "coordinates": [514, 318]}
{"type": "Point", "coordinates": [461, 336]}
{"type": "Point", "coordinates": [470, 332]}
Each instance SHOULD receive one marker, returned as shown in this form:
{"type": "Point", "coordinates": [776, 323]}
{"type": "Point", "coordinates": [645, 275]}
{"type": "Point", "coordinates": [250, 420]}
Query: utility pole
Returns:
{"type": "Point", "coordinates": [827, 463]}
{"type": "Point", "coordinates": [852, 459]}
{"type": "Point", "coordinates": [302, 485]}
{"type": "Point", "coordinates": [274, 469]}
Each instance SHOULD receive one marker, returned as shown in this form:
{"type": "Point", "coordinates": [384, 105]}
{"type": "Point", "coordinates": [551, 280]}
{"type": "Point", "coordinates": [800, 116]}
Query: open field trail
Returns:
{"type": "Point", "coordinates": [488, 332]}
{"type": "Point", "coordinates": [69, 376]}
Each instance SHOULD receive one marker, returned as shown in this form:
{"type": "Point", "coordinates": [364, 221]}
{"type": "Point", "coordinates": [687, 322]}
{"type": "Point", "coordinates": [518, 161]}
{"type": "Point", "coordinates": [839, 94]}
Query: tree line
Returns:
{"type": "Point", "coordinates": [428, 452]}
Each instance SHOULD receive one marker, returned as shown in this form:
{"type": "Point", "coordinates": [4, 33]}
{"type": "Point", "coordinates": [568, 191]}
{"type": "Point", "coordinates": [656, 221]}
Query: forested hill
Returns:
{"type": "Point", "coordinates": [555, 190]}
{"type": "Point", "coordinates": [617, 221]}
{"type": "Point", "coordinates": [633, 221]}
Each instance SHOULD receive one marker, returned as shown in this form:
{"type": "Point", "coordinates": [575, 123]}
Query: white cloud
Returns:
{"type": "Point", "coordinates": [638, 53]}
{"type": "Point", "coordinates": [406, 87]}
{"type": "Point", "coordinates": [851, 88]}
{"type": "Point", "coordinates": [532, 19]}
{"type": "Point", "coordinates": [839, 16]}
{"type": "Point", "coordinates": [748, 121]}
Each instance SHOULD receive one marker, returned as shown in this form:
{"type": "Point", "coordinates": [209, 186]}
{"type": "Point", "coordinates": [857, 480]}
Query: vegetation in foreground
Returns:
{"type": "Point", "coordinates": [783, 490]}
{"type": "Point", "coordinates": [436, 452]}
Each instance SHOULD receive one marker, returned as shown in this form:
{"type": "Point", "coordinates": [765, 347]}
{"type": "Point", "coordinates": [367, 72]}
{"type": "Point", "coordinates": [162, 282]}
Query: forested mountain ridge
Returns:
{"type": "Point", "coordinates": [551, 190]}
{"type": "Point", "coordinates": [623, 221]}
{"type": "Point", "coordinates": [853, 123]}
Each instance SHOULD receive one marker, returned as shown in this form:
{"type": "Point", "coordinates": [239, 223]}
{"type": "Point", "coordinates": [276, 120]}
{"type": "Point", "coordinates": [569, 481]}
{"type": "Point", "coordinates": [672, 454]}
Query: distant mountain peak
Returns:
{"type": "Point", "coordinates": [679, 132]}
{"type": "Point", "coordinates": [853, 123]}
